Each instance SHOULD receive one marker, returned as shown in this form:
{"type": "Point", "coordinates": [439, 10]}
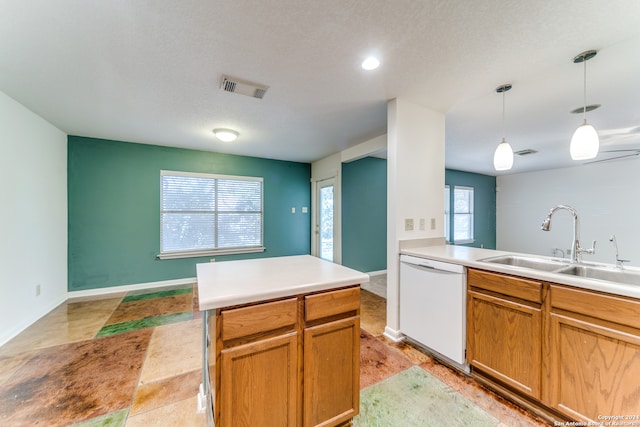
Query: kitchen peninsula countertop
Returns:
{"type": "Point", "coordinates": [238, 282]}
{"type": "Point", "coordinates": [470, 257]}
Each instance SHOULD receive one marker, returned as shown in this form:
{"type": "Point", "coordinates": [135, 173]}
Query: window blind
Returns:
{"type": "Point", "coordinates": [204, 214]}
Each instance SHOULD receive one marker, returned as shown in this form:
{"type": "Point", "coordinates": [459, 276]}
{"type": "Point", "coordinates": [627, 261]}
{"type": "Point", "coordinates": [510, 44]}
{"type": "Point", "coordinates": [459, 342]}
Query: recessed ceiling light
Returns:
{"type": "Point", "coordinates": [225, 135]}
{"type": "Point", "coordinates": [371, 63]}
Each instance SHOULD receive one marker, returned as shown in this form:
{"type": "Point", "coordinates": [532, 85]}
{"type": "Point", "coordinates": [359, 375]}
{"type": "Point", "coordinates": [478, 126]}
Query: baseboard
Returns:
{"type": "Point", "coordinates": [128, 288]}
{"type": "Point", "coordinates": [8, 335]}
{"type": "Point", "coordinates": [377, 273]}
{"type": "Point", "coordinates": [95, 293]}
{"type": "Point", "coordinates": [393, 335]}
{"type": "Point", "coordinates": [535, 408]}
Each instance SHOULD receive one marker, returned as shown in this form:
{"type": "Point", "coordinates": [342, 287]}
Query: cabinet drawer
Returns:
{"type": "Point", "coordinates": [526, 289]}
{"type": "Point", "coordinates": [617, 309]}
{"type": "Point", "coordinates": [245, 321]}
{"type": "Point", "coordinates": [331, 303]}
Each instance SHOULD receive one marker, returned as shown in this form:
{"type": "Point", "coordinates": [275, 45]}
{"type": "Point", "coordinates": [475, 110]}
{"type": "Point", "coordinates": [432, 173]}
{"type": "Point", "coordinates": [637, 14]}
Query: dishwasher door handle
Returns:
{"type": "Point", "coordinates": [432, 265]}
{"type": "Point", "coordinates": [431, 268]}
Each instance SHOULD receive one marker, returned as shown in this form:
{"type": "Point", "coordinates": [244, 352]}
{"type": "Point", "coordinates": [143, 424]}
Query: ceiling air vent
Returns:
{"type": "Point", "coordinates": [243, 87]}
{"type": "Point", "coordinates": [525, 152]}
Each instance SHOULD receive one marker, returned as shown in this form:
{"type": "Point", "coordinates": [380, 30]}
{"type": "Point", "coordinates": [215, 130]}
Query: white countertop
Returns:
{"type": "Point", "coordinates": [469, 257]}
{"type": "Point", "coordinates": [228, 283]}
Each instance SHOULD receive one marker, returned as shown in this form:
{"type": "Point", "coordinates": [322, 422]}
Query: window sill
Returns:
{"type": "Point", "coordinates": [463, 242]}
{"type": "Point", "coordinates": [196, 254]}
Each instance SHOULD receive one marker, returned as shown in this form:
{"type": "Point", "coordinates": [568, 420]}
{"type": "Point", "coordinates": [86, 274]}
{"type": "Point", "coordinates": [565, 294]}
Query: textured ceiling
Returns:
{"type": "Point", "coordinates": [150, 71]}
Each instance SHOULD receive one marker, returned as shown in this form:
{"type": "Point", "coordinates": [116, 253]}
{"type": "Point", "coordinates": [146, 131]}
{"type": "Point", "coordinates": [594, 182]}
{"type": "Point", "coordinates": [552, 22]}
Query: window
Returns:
{"type": "Point", "coordinates": [447, 215]}
{"type": "Point", "coordinates": [203, 214]}
{"type": "Point", "coordinates": [463, 214]}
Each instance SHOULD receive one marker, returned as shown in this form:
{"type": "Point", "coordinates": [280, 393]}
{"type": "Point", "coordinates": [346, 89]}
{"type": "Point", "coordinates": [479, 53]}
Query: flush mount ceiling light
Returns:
{"type": "Point", "coordinates": [226, 135]}
{"type": "Point", "coordinates": [503, 157]}
{"type": "Point", "coordinates": [585, 142]}
{"type": "Point", "coordinates": [371, 63]}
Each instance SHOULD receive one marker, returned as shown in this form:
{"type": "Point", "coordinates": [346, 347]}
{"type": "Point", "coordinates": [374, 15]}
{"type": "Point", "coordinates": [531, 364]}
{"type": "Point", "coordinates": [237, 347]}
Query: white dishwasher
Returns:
{"type": "Point", "coordinates": [433, 306]}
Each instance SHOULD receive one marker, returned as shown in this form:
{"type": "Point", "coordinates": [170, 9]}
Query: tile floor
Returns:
{"type": "Point", "coordinates": [134, 360]}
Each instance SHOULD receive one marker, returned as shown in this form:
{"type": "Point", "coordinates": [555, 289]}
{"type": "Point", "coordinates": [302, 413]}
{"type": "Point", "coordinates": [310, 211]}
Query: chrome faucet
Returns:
{"type": "Point", "coordinates": [619, 262]}
{"type": "Point", "coordinates": [576, 250]}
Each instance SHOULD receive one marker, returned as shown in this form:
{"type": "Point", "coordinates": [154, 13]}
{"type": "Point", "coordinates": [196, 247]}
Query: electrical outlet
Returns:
{"type": "Point", "coordinates": [38, 289]}
{"type": "Point", "coordinates": [293, 210]}
{"type": "Point", "coordinates": [212, 260]}
{"type": "Point", "coordinates": [421, 223]}
{"type": "Point", "coordinates": [408, 224]}
{"type": "Point", "coordinates": [433, 223]}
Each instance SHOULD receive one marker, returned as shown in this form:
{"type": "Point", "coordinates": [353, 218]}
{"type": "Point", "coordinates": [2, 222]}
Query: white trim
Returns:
{"type": "Point", "coordinates": [377, 145]}
{"type": "Point", "coordinates": [463, 242]}
{"type": "Point", "coordinates": [212, 252]}
{"type": "Point", "coordinates": [128, 288]}
{"type": "Point", "coordinates": [18, 329]}
{"type": "Point", "coordinates": [211, 175]}
{"type": "Point", "coordinates": [393, 335]}
{"type": "Point", "coordinates": [376, 273]}
{"type": "Point", "coordinates": [91, 293]}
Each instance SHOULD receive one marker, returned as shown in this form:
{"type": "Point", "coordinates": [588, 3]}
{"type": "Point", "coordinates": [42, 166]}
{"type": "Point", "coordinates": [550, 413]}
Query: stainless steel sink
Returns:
{"type": "Point", "coordinates": [543, 264]}
{"type": "Point", "coordinates": [629, 277]}
{"type": "Point", "coordinates": [554, 265]}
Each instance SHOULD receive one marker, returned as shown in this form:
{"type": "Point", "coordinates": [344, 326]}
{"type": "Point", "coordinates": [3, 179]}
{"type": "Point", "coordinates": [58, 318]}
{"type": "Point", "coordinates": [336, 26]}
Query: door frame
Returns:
{"type": "Point", "coordinates": [337, 212]}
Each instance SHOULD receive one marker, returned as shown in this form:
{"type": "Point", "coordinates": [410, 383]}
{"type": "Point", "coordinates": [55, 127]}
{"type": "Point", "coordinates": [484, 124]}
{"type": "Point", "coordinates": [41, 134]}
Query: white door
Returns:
{"type": "Point", "coordinates": [324, 219]}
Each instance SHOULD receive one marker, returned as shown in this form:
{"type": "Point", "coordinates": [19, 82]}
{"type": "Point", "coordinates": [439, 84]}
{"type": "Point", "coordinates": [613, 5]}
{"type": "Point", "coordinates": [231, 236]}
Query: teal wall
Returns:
{"type": "Point", "coordinates": [364, 214]}
{"type": "Point", "coordinates": [114, 209]}
{"type": "Point", "coordinates": [484, 196]}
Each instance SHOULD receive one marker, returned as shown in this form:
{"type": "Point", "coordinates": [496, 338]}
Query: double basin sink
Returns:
{"type": "Point", "coordinates": [583, 270]}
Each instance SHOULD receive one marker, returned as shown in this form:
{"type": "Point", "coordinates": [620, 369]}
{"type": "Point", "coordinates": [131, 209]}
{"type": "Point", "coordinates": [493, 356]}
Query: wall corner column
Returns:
{"type": "Point", "coordinates": [415, 186]}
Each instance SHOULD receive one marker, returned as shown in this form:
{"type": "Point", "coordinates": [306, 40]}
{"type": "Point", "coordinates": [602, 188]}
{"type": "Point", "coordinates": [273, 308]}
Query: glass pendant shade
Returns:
{"type": "Point", "coordinates": [584, 143]}
{"type": "Point", "coordinates": [503, 157]}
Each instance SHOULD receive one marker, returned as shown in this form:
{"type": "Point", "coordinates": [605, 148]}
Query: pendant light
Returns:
{"type": "Point", "coordinates": [503, 157]}
{"type": "Point", "coordinates": [585, 142]}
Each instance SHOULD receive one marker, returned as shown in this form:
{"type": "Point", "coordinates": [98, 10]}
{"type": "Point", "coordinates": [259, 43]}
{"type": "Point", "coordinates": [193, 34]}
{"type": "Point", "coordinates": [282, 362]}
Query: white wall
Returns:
{"type": "Point", "coordinates": [606, 196]}
{"type": "Point", "coordinates": [415, 181]}
{"type": "Point", "coordinates": [33, 214]}
{"type": "Point", "coordinates": [371, 147]}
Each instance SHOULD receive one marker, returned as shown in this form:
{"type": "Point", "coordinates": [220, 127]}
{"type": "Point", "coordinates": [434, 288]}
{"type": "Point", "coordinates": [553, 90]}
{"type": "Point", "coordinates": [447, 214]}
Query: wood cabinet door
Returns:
{"type": "Point", "coordinates": [331, 393]}
{"type": "Point", "coordinates": [595, 369]}
{"type": "Point", "coordinates": [504, 340]}
{"type": "Point", "coordinates": [259, 383]}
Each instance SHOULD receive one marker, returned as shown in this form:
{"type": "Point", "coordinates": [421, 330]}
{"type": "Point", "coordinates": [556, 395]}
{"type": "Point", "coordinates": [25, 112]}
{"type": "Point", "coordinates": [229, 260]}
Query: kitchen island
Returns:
{"type": "Point", "coordinates": [281, 341]}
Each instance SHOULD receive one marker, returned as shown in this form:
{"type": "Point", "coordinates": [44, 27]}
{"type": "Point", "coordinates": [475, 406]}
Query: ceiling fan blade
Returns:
{"type": "Point", "coordinates": [613, 158]}
{"type": "Point", "coordinates": [635, 150]}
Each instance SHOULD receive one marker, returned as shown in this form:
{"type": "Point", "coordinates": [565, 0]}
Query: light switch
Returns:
{"type": "Point", "coordinates": [305, 209]}
{"type": "Point", "coordinates": [408, 224]}
{"type": "Point", "coordinates": [421, 223]}
{"type": "Point", "coordinates": [433, 223]}
{"type": "Point", "coordinates": [293, 210]}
